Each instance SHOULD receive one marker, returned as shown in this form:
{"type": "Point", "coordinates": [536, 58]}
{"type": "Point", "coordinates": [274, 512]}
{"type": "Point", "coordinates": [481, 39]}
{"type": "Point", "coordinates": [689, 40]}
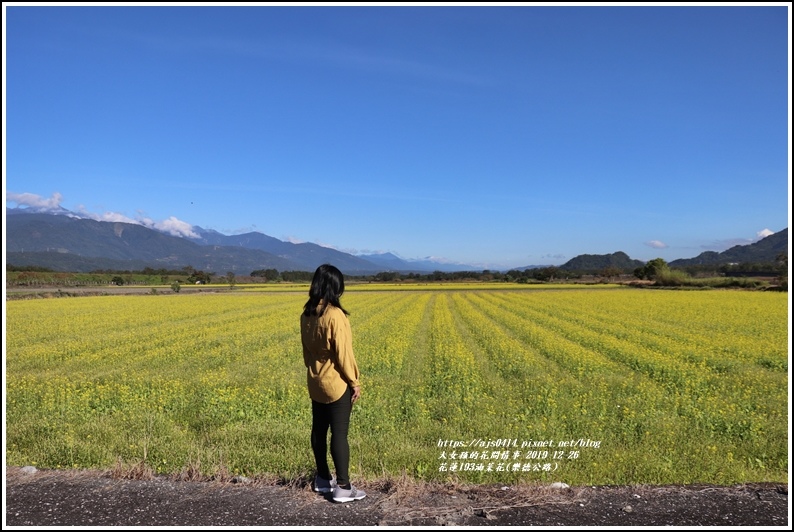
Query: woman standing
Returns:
{"type": "Point", "coordinates": [333, 379]}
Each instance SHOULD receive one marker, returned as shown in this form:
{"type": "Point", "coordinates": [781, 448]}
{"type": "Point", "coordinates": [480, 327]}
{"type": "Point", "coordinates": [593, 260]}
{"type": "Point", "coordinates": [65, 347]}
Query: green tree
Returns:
{"type": "Point", "coordinates": [782, 262]}
{"type": "Point", "coordinates": [199, 277]}
{"type": "Point", "coordinates": [386, 276]}
{"type": "Point", "coordinates": [652, 269]}
{"type": "Point", "coordinates": [609, 272]}
{"type": "Point", "coordinates": [545, 274]}
{"type": "Point", "coordinates": [230, 278]}
{"type": "Point", "coordinates": [514, 276]}
{"type": "Point", "coordinates": [269, 275]}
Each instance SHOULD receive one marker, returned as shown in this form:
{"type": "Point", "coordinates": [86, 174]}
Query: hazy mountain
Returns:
{"type": "Point", "coordinates": [765, 250]}
{"type": "Point", "coordinates": [308, 255]}
{"type": "Point", "coordinates": [534, 267]}
{"type": "Point", "coordinates": [391, 262]}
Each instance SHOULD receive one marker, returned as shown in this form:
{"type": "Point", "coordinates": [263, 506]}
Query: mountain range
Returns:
{"type": "Point", "coordinates": [63, 241]}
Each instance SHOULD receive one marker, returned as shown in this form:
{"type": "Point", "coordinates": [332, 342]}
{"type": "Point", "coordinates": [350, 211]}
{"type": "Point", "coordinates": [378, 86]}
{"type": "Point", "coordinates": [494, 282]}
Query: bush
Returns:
{"type": "Point", "coordinates": [668, 277]}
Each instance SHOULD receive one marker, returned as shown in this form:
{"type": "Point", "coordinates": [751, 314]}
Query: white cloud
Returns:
{"type": "Point", "coordinates": [440, 260]}
{"type": "Point", "coordinates": [35, 201]}
{"type": "Point", "coordinates": [764, 233]}
{"type": "Point", "coordinates": [656, 244]}
{"type": "Point", "coordinates": [554, 256]}
{"type": "Point", "coordinates": [171, 225]}
{"type": "Point", "coordinates": [106, 216]}
{"type": "Point", "coordinates": [176, 227]}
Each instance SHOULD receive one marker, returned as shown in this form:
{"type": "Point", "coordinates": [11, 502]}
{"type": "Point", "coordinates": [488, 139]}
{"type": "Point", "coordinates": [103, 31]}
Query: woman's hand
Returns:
{"type": "Point", "coordinates": [356, 394]}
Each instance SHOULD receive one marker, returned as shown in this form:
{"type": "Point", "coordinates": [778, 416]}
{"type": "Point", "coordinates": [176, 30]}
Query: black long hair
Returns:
{"type": "Point", "coordinates": [328, 285]}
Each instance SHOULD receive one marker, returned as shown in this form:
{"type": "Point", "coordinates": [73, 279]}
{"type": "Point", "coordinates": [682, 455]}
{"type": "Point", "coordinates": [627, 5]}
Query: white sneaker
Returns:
{"type": "Point", "coordinates": [323, 486]}
{"type": "Point", "coordinates": [343, 495]}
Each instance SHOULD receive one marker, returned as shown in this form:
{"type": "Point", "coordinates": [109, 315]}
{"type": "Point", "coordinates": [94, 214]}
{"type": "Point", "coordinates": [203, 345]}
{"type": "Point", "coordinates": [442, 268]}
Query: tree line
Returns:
{"type": "Point", "coordinates": [656, 270]}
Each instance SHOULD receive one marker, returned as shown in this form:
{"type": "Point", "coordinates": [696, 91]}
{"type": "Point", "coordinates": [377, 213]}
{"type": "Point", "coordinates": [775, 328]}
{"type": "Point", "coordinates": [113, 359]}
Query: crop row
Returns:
{"type": "Point", "coordinates": [674, 386]}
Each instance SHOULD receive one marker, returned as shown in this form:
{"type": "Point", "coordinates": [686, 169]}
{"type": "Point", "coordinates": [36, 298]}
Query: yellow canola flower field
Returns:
{"type": "Point", "coordinates": [584, 386]}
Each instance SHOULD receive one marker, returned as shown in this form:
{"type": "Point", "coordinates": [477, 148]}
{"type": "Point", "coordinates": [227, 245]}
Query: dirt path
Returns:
{"type": "Point", "coordinates": [92, 498]}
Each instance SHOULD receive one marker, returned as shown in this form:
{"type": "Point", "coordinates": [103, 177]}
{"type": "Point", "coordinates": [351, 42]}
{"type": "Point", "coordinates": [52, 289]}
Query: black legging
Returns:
{"type": "Point", "coordinates": [335, 415]}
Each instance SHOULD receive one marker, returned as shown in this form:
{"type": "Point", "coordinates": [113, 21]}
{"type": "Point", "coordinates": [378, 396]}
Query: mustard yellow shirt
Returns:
{"type": "Point", "coordinates": [328, 354]}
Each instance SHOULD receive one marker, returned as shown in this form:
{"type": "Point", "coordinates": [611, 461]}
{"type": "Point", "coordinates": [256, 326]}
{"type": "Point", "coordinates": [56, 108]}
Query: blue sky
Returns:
{"type": "Point", "coordinates": [499, 137]}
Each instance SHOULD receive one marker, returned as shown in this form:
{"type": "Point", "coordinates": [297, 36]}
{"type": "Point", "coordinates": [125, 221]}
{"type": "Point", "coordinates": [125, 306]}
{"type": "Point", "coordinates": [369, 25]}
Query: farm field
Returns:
{"type": "Point", "coordinates": [583, 386]}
